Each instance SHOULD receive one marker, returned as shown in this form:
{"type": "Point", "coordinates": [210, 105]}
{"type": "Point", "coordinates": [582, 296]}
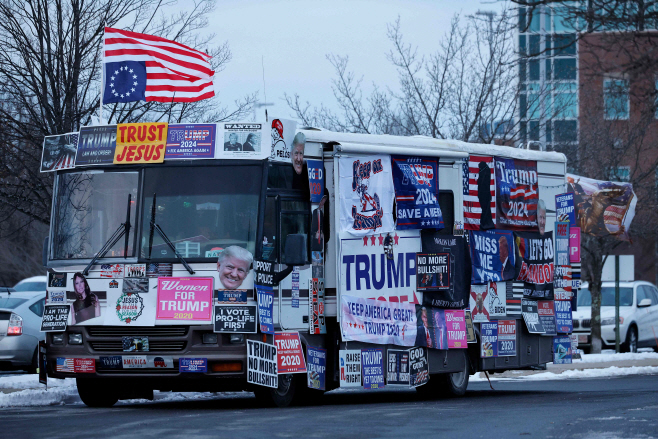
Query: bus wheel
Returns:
{"type": "Point", "coordinates": [282, 396]}
{"type": "Point", "coordinates": [93, 394]}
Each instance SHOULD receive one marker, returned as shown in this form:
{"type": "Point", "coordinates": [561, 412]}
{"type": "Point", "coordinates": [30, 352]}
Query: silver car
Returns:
{"type": "Point", "coordinates": [20, 329]}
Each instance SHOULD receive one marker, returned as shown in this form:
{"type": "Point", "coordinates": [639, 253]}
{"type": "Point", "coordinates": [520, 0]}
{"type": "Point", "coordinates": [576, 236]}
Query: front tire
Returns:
{"type": "Point", "coordinates": [447, 384]}
{"type": "Point", "coordinates": [94, 394]}
{"type": "Point", "coordinates": [292, 389]}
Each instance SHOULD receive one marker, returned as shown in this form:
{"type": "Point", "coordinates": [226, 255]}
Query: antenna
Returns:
{"type": "Point", "coordinates": [259, 105]}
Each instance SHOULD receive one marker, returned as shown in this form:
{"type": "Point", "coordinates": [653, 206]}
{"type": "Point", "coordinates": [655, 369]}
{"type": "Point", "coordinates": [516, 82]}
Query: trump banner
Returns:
{"type": "Point", "coordinates": [537, 267]}
{"type": "Point", "coordinates": [432, 330]}
{"type": "Point", "coordinates": [185, 299]}
{"type": "Point", "coordinates": [190, 141]}
{"type": "Point", "coordinates": [492, 256]}
{"type": "Point", "coordinates": [479, 191]}
{"type": "Point", "coordinates": [416, 182]}
{"type": "Point", "coordinates": [377, 321]}
{"type": "Point", "coordinates": [516, 193]}
{"type": "Point", "coordinates": [455, 294]}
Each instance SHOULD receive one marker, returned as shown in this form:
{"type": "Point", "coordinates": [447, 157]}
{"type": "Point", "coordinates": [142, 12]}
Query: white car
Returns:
{"type": "Point", "coordinates": [34, 283]}
{"type": "Point", "coordinates": [638, 315]}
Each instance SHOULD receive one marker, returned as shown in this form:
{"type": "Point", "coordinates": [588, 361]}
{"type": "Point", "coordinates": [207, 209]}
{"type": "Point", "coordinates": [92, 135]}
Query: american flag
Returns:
{"type": "Point", "coordinates": [65, 365]}
{"type": "Point", "coordinates": [421, 378]}
{"type": "Point", "coordinates": [472, 208]}
{"type": "Point", "coordinates": [146, 67]}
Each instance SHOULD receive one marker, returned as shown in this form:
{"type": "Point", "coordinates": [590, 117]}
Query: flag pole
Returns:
{"type": "Point", "coordinates": [100, 111]}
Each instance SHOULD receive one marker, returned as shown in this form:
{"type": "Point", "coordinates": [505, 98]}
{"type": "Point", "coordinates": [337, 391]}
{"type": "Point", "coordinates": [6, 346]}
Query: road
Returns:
{"type": "Point", "coordinates": [625, 407]}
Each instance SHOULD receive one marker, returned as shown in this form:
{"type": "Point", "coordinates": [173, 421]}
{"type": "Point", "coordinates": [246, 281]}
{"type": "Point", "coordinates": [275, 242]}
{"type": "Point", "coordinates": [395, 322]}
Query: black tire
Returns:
{"type": "Point", "coordinates": [447, 384]}
{"type": "Point", "coordinates": [33, 368]}
{"type": "Point", "coordinates": [630, 345]}
{"type": "Point", "coordinates": [292, 390]}
{"type": "Point", "coordinates": [95, 394]}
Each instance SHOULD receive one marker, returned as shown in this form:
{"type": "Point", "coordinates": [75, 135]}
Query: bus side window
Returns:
{"type": "Point", "coordinates": [269, 244]}
{"type": "Point", "coordinates": [295, 219]}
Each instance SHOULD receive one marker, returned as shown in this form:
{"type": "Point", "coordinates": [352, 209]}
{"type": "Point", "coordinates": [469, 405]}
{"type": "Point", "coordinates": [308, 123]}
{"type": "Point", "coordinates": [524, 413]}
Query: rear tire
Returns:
{"type": "Point", "coordinates": [95, 394]}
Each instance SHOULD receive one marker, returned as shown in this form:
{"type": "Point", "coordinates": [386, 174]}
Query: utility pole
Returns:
{"type": "Point", "coordinates": [258, 106]}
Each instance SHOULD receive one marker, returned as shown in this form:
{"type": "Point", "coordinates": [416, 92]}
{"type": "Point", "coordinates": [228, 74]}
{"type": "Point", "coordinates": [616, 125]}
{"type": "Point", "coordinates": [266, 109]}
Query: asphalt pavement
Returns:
{"type": "Point", "coordinates": [625, 407]}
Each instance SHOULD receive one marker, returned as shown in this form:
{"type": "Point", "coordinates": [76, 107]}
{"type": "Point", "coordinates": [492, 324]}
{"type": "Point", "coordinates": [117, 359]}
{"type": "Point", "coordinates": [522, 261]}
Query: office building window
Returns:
{"type": "Point", "coordinates": [565, 68]}
{"type": "Point", "coordinates": [615, 99]}
{"type": "Point", "coordinates": [619, 173]}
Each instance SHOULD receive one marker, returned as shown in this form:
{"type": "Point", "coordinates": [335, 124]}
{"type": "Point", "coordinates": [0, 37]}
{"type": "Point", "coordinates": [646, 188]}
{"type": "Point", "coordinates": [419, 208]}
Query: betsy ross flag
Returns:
{"type": "Point", "coordinates": [140, 67]}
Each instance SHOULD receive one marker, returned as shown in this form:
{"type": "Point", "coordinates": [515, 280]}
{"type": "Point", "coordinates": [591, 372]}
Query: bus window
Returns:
{"type": "Point", "coordinates": [295, 219]}
{"type": "Point", "coordinates": [269, 244]}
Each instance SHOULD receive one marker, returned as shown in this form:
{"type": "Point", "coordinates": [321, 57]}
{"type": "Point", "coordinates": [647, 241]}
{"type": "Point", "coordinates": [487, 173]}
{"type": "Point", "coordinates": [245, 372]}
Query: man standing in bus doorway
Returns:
{"type": "Point", "coordinates": [233, 265]}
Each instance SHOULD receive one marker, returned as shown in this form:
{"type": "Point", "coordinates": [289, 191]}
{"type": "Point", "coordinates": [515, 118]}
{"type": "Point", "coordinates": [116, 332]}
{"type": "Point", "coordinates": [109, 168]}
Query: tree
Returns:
{"type": "Point", "coordinates": [50, 79]}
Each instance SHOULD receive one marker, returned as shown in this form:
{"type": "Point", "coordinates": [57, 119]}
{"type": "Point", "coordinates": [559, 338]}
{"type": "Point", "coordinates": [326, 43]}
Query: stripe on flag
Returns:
{"type": "Point", "coordinates": [472, 208]}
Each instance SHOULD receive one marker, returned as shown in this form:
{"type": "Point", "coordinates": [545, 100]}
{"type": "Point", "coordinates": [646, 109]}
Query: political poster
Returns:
{"type": "Point", "coordinates": [456, 323]}
{"type": "Point", "coordinates": [492, 255]}
{"type": "Point", "coordinates": [455, 295]}
{"type": "Point", "coordinates": [59, 152]}
{"type": "Point", "coordinates": [135, 270]}
{"type": "Point", "coordinates": [574, 245]}
{"type": "Point", "coordinates": [317, 324]}
{"type": "Point", "coordinates": [536, 272]}
{"type": "Point", "coordinates": [191, 365]}
{"type": "Point", "coordinates": [488, 301]}
{"type": "Point", "coordinates": [243, 140]}
{"type": "Point", "coordinates": [54, 318]}
{"type": "Point", "coordinates": [139, 285]}
{"type": "Point", "coordinates": [130, 309]}
{"type": "Point", "coordinates": [564, 208]}
{"type": "Point", "coordinates": [159, 269]}
{"type": "Point", "coordinates": [531, 316]}
{"type": "Point", "coordinates": [416, 182]}
{"type": "Point", "coordinates": [366, 195]}
{"type": "Point", "coordinates": [377, 321]}
{"type": "Point", "coordinates": [235, 318]}
{"type": "Point", "coordinates": [315, 179]}
{"type": "Point", "coordinates": [470, 331]}
{"type": "Point", "coordinates": [294, 293]}
{"type": "Point", "coordinates": [184, 299]}
{"type": "Point", "coordinates": [190, 141]}
{"type": "Point", "coordinates": [432, 331]}
{"type": "Point", "coordinates": [262, 364]}
{"type": "Point", "coordinates": [489, 339]}
{"type": "Point", "coordinates": [317, 367]}
{"type": "Point", "coordinates": [516, 194]}
{"type": "Point", "coordinates": [265, 297]}
{"type": "Point", "coordinates": [290, 353]}
{"type": "Point", "coordinates": [397, 368]}
{"type": "Point", "coordinates": [506, 338]}
{"type": "Point", "coordinates": [546, 312]}
{"type": "Point", "coordinates": [350, 368]}
{"type": "Point", "coordinates": [372, 365]}
{"type": "Point", "coordinates": [479, 193]}
{"type": "Point", "coordinates": [282, 135]}
{"type": "Point", "coordinates": [563, 282]}
{"type": "Point", "coordinates": [231, 297]}
{"type": "Point", "coordinates": [96, 145]}
{"type": "Point", "coordinates": [479, 313]}
{"type": "Point", "coordinates": [561, 243]}
{"type": "Point", "coordinates": [419, 366]}
{"type": "Point", "coordinates": [55, 297]}
{"type": "Point", "coordinates": [562, 350]}
{"type": "Point", "coordinates": [140, 143]}
{"type": "Point", "coordinates": [432, 271]}
{"type": "Point", "coordinates": [57, 280]}
{"type": "Point", "coordinates": [111, 271]}
{"type": "Point", "coordinates": [603, 207]}
{"type": "Point", "coordinates": [563, 316]}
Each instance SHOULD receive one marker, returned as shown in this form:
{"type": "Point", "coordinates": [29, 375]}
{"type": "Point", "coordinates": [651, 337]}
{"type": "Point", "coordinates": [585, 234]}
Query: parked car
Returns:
{"type": "Point", "coordinates": [34, 283]}
{"type": "Point", "coordinates": [20, 329]}
{"type": "Point", "coordinates": [638, 315]}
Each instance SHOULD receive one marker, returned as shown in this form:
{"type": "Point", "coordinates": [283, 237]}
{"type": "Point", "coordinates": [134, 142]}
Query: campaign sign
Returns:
{"type": "Point", "coordinates": [477, 303]}
{"type": "Point", "coordinates": [456, 324]}
{"type": "Point", "coordinates": [416, 182]}
{"type": "Point", "coordinates": [54, 297]}
{"type": "Point", "coordinates": [506, 338]}
{"type": "Point", "coordinates": [562, 350]}
{"type": "Point", "coordinates": [190, 141]}
{"type": "Point", "coordinates": [397, 370]}
{"type": "Point", "coordinates": [135, 362]}
{"type": "Point", "coordinates": [265, 309]}
{"type": "Point", "coordinates": [184, 298]}
{"type": "Point", "coordinates": [531, 316]}
{"type": "Point", "coordinates": [55, 318]}
{"type": "Point", "coordinates": [563, 282]}
{"type": "Point", "coordinates": [290, 356]}
{"type": "Point", "coordinates": [432, 271]}
{"type": "Point", "coordinates": [546, 312]}
{"type": "Point", "coordinates": [489, 339]}
{"type": "Point", "coordinates": [492, 256]}
{"type": "Point", "coordinates": [315, 179]}
{"type": "Point", "coordinates": [377, 321]}
{"type": "Point", "coordinates": [488, 301]}
{"type": "Point", "coordinates": [56, 280]}
{"type": "Point", "coordinates": [235, 318]}
{"type": "Point", "coordinates": [96, 145]}
{"type": "Point", "coordinates": [193, 365]}
{"type": "Point", "coordinates": [470, 331]}
{"type": "Point", "coordinates": [537, 268]}
{"type": "Point", "coordinates": [561, 243]}
{"type": "Point", "coordinates": [455, 295]}
{"type": "Point", "coordinates": [84, 365]}
{"type": "Point", "coordinates": [294, 294]}
{"type": "Point", "coordinates": [563, 316]}
{"type": "Point", "coordinates": [262, 364]}
{"type": "Point", "coordinates": [350, 368]}
{"type": "Point", "coordinates": [316, 320]}
{"type": "Point", "coordinates": [432, 330]}
{"type": "Point", "coordinates": [574, 245]}
{"type": "Point", "coordinates": [564, 208]}
{"type": "Point", "coordinates": [372, 365]}
{"type": "Point", "coordinates": [419, 367]}
{"type": "Point", "coordinates": [317, 367]}
{"type": "Point", "coordinates": [231, 297]}
{"type": "Point", "coordinates": [112, 362]}
{"type": "Point", "coordinates": [264, 273]}
{"type": "Point", "coordinates": [516, 193]}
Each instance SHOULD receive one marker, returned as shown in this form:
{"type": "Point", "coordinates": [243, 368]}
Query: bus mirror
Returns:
{"type": "Point", "coordinates": [295, 250]}
{"type": "Point", "coordinates": [44, 253]}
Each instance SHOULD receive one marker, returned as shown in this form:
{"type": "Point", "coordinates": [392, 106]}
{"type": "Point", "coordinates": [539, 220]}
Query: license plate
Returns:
{"type": "Point", "coordinates": [582, 338]}
{"type": "Point", "coordinates": [135, 344]}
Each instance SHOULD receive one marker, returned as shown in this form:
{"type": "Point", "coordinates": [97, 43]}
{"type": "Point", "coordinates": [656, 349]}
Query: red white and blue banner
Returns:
{"type": "Point", "coordinates": [315, 179]}
{"type": "Point", "coordinates": [537, 269]}
{"type": "Point", "coordinates": [416, 182]}
{"type": "Point", "coordinates": [516, 194]}
{"type": "Point", "coordinates": [492, 256]}
{"type": "Point", "coordinates": [366, 195]}
{"type": "Point", "coordinates": [195, 141]}
{"type": "Point", "coordinates": [479, 188]}
{"type": "Point", "coordinates": [377, 321]}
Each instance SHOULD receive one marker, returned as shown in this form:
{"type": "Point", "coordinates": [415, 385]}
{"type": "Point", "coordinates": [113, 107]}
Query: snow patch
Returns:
{"type": "Point", "coordinates": [607, 357]}
{"type": "Point", "coordinates": [613, 371]}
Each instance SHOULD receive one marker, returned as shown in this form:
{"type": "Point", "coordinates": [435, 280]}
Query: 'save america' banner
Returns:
{"type": "Point", "coordinates": [416, 182]}
{"type": "Point", "coordinates": [516, 193]}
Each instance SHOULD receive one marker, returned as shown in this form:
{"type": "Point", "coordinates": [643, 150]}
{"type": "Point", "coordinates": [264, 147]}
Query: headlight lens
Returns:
{"type": "Point", "coordinates": [75, 338]}
{"type": "Point", "coordinates": [609, 321]}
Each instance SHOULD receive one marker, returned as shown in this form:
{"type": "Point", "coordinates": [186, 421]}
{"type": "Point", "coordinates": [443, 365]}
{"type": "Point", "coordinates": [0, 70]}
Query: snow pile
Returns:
{"type": "Point", "coordinates": [31, 381]}
{"type": "Point", "coordinates": [573, 374]}
{"type": "Point", "coordinates": [606, 357]}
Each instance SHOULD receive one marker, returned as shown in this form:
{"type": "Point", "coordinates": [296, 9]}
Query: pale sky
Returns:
{"type": "Point", "coordinates": [293, 37]}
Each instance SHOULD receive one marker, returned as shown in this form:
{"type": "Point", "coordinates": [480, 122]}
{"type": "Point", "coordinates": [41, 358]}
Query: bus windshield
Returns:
{"type": "Point", "coordinates": [201, 209]}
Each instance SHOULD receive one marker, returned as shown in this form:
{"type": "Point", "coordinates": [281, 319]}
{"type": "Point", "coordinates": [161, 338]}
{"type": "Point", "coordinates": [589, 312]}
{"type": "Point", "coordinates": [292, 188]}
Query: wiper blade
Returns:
{"type": "Point", "coordinates": [156, 227]}
{"type": "Point", "coordinates": [124, 229]}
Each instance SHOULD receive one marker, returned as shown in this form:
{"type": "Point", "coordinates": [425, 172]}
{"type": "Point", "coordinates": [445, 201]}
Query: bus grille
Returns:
{"type": "Point", "coordinates": [151, 331]}
{"type": "Point", "coordinates": [154, 345]}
